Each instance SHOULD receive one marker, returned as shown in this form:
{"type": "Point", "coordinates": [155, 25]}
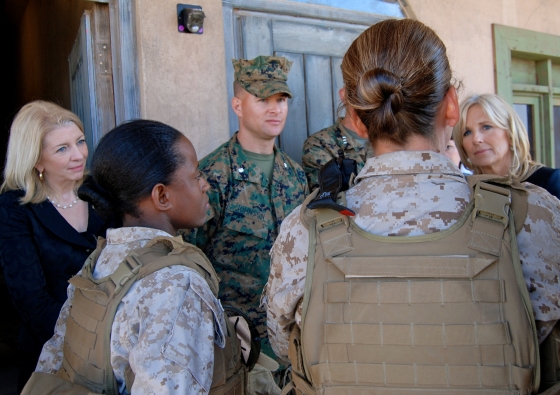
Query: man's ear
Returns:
{"type": "Point", "coordinates": [452, 107]}
{"type": "Point", "coordinates": [236, 105]}
{"type": "Point", "coordinates": [160, 198]}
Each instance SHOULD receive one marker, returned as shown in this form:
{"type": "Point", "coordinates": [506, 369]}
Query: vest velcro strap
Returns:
{"type": "Point", "coordinates": [333, 232]}
{"type": "Point", "coordinates": [426, 292]}
{"type": "Point", "coordinates": [418, 335]}
{"type": "Point", "coordinates": [80, 336]}
{"type": "Point", "coordinates": [95, 310]}
{"type": "Point", "coordinates": [422, 376]}
{"type": "Point", "coordinates": [458, 266]}
{"type": "Point", "coordinates": [486, 236]}
{"type": "Point", "coordinates": [302, 386]}
{"type": "Point", "coordinates": [95, 374]}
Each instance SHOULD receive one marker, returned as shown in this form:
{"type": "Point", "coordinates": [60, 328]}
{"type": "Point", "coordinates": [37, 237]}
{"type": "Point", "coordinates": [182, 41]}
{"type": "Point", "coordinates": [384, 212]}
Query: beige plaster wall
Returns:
{"type": "Point", "coordinates": [465, 26]}
{"type": "Point", "coordinates": [182, 76]}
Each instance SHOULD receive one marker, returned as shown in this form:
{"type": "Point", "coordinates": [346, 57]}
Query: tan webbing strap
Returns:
{"type": "Point", "coordinates": [490, 218]}
{"type": "Point", "coordinates": [418, 335]}
{"type": "Point", "coordinates": [333, 232]}
{"type": "Point", "coordinates": [519, 203]}
{"type": "Point", "coordinates": [520, 278]}
{"type": "Point", "coordinates": [302, 387]}
{"type": "Point", "coordinates": [287, 388]}
{"type": "Point", "coordinates": [80, 336]}
{"type": "Point", "coordinates": [175, 248]}
{"type": "Point", "coordinates": [95, 375]}
{"type": "Point", "coordinates": [438, 291]}
{"type": "Point", "coordinates": [421, 375]}
{"type": "Point", "coordinates": [451, 266]}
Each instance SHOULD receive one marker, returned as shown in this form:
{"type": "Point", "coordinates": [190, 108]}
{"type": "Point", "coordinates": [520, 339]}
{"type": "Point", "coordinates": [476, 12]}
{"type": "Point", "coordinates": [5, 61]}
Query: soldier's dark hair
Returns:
{"type": "Point", "coordinates": [396, 74]}
{"type": "Point", "coordinates": [127, 163]}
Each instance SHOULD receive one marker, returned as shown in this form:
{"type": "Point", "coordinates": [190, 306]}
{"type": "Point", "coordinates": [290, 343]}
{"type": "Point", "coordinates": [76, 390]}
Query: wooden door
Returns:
{"type": "Point", "coordinates": [91, 75]}
{"type": "Point", "coordinates": [314, 37]}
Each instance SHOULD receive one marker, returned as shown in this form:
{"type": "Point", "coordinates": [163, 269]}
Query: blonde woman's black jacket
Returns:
{"type": "Point", "coordinates": [547, 178]}
{"type": "Point", "coordinates": [39, 252]}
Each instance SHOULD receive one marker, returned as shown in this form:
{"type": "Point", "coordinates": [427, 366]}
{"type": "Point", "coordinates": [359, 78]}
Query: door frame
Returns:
{"type": "Point", "coordinates": [233, 46]}
{"type": "Point", "coordinates": [126, 86]}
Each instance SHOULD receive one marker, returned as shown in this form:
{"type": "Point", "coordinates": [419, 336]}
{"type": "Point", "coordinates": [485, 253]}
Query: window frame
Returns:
{"type": "Point", "coordinates": [544, 49]}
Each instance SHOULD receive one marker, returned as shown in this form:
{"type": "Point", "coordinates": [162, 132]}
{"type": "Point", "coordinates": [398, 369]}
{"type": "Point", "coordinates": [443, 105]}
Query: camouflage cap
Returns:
{"type": "Point", "coordinates": [263, 76]}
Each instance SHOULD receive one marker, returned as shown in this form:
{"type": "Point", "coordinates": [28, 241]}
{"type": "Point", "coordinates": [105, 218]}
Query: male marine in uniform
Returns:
{"type": "Point", "coordinates": [253, 187]}
{"type": "Point", "coordinates": [321, 147]}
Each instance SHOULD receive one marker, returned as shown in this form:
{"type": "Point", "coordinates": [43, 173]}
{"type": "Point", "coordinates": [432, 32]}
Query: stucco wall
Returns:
{"type": "Point", "coordinates": [465, 26]}
{"type": "Point", "coordinates": [182, 76]}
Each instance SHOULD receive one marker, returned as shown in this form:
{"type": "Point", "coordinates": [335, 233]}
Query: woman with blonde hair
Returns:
{"type": "Point", "coordinates": [492, 139]}
{"type": "Point", "coordinates": [46, 231]}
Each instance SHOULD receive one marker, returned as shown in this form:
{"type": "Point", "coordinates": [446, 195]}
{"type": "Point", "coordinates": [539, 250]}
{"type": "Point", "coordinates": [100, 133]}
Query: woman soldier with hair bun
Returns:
{"type": "Point", "coordinates": [391, 300]}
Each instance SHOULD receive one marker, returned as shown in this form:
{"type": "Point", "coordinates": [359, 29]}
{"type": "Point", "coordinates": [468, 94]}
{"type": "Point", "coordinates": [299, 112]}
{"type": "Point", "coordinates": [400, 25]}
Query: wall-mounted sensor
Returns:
{"type": "Point", "coordinates": [190, 18]}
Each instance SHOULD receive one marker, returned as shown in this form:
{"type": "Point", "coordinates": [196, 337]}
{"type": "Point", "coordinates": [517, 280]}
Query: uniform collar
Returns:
{"type": "Point", "coordinates": [126, 235]}
{"type": "Point", "coordinates": [348, 141]}
{"type": "Point", "coordinates": [244, 169]}
{"type": "Point", "coordinates": [409, 162]}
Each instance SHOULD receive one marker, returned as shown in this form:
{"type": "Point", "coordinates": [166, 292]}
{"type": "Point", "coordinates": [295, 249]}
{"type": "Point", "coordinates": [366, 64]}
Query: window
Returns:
{"type": "Point", "coordinates": [528, 77]}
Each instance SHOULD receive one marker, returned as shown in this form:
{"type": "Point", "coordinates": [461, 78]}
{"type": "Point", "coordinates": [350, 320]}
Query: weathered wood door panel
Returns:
{"type": "Point", "coordinates": [315, 41]}
{"type": "Point", "coordinates": [91, 76]}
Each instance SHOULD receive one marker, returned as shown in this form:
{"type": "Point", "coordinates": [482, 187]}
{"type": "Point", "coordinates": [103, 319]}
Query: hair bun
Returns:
{"type": "Point", "coordinates": [103, 201]}
{"type": "Point", "coordinates": [378, 88]}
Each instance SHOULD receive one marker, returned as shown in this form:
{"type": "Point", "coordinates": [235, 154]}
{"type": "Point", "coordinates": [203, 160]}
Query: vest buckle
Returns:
{"type": "Point", "coordinates": [491, 202]}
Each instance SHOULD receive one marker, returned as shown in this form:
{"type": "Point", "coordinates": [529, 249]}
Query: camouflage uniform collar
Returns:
{"type": "Point", "coordinates": [346, 140]}
{"type": "Point", "coordinates": [128, 234]}
{"type": "Point", "coordinates": [409, 162]}
{"type": "Point", "coordinates": [244, 169]}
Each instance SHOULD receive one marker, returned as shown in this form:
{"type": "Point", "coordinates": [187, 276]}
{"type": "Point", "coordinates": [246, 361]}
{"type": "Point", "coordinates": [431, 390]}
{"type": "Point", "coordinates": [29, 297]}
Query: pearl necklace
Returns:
{"type": "Point", "coordinates": [63, 207]}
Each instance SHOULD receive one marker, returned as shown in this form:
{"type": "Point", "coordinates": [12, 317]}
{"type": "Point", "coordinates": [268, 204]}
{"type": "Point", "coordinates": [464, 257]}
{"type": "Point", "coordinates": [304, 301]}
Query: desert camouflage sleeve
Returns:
{"type": "Point", "coordinates": [172, 351]}
{"type": "Point", "coordinates": [539, 250]}
{"type": "Point", "coordinates": [286, 283]}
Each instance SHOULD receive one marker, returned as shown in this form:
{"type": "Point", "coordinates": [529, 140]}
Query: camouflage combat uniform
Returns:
{"type": "Point", "coordinates": [409, 194]}
{"type": "Point", "coordinates": [323, 146]}
{"type": "Point", "coordinates": [246, 213]}
{"type": "Point", "coordinates": [247, 207]}
{"type": "Point", "coordinates": [168, 313]}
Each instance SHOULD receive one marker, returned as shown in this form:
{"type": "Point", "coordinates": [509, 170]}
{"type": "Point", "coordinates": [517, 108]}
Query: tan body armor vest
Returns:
{"type": "Point", "coordinates": [87, 346]}
{"type": "Point", "coordinates": [443, 313]}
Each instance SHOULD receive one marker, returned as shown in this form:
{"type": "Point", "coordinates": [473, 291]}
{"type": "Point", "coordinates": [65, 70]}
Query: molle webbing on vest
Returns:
{"type": "Point", "coordinates": [88, 329]}
{"type": "Point", "coordinates": [445, 312]}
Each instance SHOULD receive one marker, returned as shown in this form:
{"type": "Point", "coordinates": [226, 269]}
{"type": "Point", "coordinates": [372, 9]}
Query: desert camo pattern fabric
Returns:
{"type": "Point", "coordinates": [164, 328]}
{"type": "Point", "coordinates": [244, 219]}
{"type": "Point", "coordinates": [412, 194]}
{"type": "Point", "coordinates": [323, 146]}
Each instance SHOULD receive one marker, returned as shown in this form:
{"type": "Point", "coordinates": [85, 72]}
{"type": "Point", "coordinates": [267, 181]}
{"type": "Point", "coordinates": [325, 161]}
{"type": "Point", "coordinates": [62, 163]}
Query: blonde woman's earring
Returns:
{"type": "Point", "coordinates": [41, 175]}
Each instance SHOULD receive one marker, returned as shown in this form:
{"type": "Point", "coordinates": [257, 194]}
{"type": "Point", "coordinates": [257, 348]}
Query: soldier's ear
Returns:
{"type": "Point", "coordinates": [236, 106]}
{"type": "Point", "coordinates": [160, 198]}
